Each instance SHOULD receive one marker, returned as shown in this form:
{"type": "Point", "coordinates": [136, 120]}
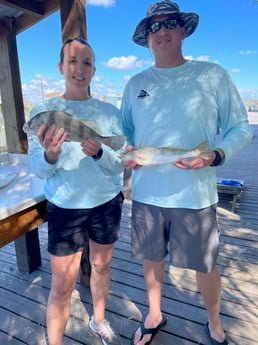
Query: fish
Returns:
{"type": "Point", "coordinates": [148, 156]}
{"type": "Point", "coordinates": [76, 130]}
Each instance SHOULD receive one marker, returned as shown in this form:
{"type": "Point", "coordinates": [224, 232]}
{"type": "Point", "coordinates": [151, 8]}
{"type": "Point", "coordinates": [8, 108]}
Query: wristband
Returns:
{"type": "Point", "coordinates": [98, 155]}
{"type": "Point", "coordinates": [48, 160]}
{"type": "Point", "coordinates": [217, 159]}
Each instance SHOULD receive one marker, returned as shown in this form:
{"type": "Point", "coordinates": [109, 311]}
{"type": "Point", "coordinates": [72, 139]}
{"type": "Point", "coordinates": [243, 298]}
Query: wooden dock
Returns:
{"type": "Point", "coordinates": [23, 297]}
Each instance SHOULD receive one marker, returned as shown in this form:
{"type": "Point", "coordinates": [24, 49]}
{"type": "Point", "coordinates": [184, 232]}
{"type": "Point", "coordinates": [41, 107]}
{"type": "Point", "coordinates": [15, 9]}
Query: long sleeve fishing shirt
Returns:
{"type": "Point", "coordinates": [182, 107]}
{"type": "Point", "coordinates": [76, 181]}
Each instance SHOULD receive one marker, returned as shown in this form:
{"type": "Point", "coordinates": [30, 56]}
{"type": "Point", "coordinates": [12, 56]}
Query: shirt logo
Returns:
{"type": "Point", "coordinates": [143, 94]}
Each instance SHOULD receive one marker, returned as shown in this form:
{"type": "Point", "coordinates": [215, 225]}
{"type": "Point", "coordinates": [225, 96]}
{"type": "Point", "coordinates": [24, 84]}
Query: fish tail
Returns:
{"type": "Point", "coordinates": [204, 146]}
{"type": "Point", "coordinates": [115, 142]}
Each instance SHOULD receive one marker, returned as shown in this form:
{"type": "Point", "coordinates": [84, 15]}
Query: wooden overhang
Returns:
{"type": "Point", "coordinates": [15, 17]}
{"type": "Point", "coordinates": [26, 13]}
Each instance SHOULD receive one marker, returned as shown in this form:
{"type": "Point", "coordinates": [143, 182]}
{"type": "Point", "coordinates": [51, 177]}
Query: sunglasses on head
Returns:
{"type": "Point", "coordinates": [156, 26]}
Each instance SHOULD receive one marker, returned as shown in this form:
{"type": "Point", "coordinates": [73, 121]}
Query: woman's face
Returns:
{"type": "Point", "coordinates": [77, 67]}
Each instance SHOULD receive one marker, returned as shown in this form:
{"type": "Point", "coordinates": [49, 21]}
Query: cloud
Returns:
{"type": "Point", "coordinates": [203, 58]}
{"type": "Point", "coordinates": [248, 94]}
{"type": "Point", "coordinates": [40, 87]}
{"type": "Point", "coordinates": [198, 58]}
{"type": "Point", "coordinates": [126, 78]}
{"type": "Point", "coordinates": [247, 52]}
{"type": "Point", "coordinates": [235, 70]}
{"type": "Point", "coordinates": [105, 3]}
{"type": "Point", "coordinates": [121, 62]}
{"type": "Point", "coordinates": [98, 78]}
{"type": "Point", "coordinates": [126, 62]}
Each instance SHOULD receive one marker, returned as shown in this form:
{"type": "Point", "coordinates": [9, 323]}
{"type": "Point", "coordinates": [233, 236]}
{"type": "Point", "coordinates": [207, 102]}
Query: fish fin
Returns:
{"type": "Point", "coordinates": [91, 125]}
{"type": "Point", "coordinates": [178, 149]}
{"type": "Point", "coordinates": [115, 142]}
{"type": "Point", "coordinates": [26, 128]}
{"type": "Point", "coordinates": [204, 146]}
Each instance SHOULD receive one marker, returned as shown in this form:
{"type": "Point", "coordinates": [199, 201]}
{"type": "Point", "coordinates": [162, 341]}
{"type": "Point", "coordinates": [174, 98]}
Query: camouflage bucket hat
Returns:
{"type": "Point", "coordinates": [190, 20]}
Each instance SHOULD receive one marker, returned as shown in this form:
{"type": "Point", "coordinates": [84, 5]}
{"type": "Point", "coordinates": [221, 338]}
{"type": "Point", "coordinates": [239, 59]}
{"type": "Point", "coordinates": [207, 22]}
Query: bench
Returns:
{"type": "Point", "coordinates": [230, 186]}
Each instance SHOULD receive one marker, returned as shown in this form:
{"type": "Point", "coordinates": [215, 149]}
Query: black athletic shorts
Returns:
{"type": "Point", "coordinates": [70, 229]}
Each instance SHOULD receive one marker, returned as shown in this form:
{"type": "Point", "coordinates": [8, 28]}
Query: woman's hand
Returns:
{"type": "Point", "coordinates": [90, 147]}
{"type": "Point", "coordinates": [52, 141]}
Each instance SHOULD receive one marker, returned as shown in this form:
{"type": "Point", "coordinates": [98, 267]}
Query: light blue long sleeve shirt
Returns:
{"type": "Point", "coordinates": [182, 107]}
{"type": "Point", "coordinates": [76, 181]}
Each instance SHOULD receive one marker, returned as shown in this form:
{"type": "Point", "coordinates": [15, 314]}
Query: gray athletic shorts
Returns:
{"type": "Point", "coordinates": [190, 236]}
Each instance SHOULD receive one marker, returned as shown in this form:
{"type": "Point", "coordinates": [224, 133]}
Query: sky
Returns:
{"type": "Point", "coordinates": [227, 34]}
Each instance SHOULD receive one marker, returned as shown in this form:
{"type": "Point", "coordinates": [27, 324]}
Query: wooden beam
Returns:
{"type": "Point", "coordinates": [26, 20]}
{"type": "Point", "coordinates": [27, 6]}
{"type": "Point", "coordinates": [73, 19]}
{"type": "Point", "coordinates": [10, 87]}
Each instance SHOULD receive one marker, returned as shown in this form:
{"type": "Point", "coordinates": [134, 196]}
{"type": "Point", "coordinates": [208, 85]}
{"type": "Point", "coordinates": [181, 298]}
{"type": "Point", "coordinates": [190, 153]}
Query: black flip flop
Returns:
{"type": "Point", "coordinates": [212, 340]}
{"type": "Point", "coordinates": [151, 331]}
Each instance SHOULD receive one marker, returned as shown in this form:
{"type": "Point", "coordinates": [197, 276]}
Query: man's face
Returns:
{"type": "Point", "coordinates": [168, 34]}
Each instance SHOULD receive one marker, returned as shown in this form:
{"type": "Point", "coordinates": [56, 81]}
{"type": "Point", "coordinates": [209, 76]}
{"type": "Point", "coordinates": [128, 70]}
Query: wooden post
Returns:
{"type": "Point", "coordinates": [127, 182]}
{"type": "Point", "coordinates": [10, 87]}
{"type": "Point", "coordinates": [28, 254]}
{"type": "Point", "coordinates": [73, 21]}
{"type": "Point", "coordinates": [73, 18]}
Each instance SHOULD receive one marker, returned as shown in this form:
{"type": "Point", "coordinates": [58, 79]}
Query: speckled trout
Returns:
{"type": "Point", "coordinates": [76, 129]}
{"type": "Point", "coordinates": [147, 156]}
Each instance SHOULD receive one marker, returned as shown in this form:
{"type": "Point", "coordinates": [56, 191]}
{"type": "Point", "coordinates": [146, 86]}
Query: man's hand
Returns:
{"type": "Point", "coordinates": [131, 164]}
{"type": "Point", "coordinates": [196, 163]}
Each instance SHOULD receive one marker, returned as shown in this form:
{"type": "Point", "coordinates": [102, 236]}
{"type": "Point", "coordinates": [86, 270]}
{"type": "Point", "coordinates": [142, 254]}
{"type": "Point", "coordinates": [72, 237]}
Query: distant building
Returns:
{"type": "Point", "coordinates": [252, 105]}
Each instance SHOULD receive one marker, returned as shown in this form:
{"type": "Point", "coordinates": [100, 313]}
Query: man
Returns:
{"type": "Point", "coordinates": [83, 189]}
{"type": "Point", "coordinates": [179, 103]}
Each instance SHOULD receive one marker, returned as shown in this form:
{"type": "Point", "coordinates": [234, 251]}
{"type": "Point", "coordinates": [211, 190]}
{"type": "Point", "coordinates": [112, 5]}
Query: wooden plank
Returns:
{"type": "Point", "coordinates": [128, 303]}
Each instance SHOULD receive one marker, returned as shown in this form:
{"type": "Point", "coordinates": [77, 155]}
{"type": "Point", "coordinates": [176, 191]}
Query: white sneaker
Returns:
{"type": "Point", "coordinates": [105, 332]}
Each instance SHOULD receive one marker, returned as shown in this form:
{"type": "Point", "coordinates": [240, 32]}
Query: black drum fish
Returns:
{"type": "Point", "coordinates": [75, 129]}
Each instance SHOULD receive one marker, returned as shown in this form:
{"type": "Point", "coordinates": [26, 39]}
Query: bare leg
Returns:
{"type": "Point", "coordinates": [100, 257]}
{"type": "Point", "coordinates": [154, 274]}
{"type": "Point", "coordinates": [210, 288]}
{"type": "Point", "coordinates": [64, 273]}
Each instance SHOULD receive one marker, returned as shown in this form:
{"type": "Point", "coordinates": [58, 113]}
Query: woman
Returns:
{"type": "Point", "coordinates": [83, 189]}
